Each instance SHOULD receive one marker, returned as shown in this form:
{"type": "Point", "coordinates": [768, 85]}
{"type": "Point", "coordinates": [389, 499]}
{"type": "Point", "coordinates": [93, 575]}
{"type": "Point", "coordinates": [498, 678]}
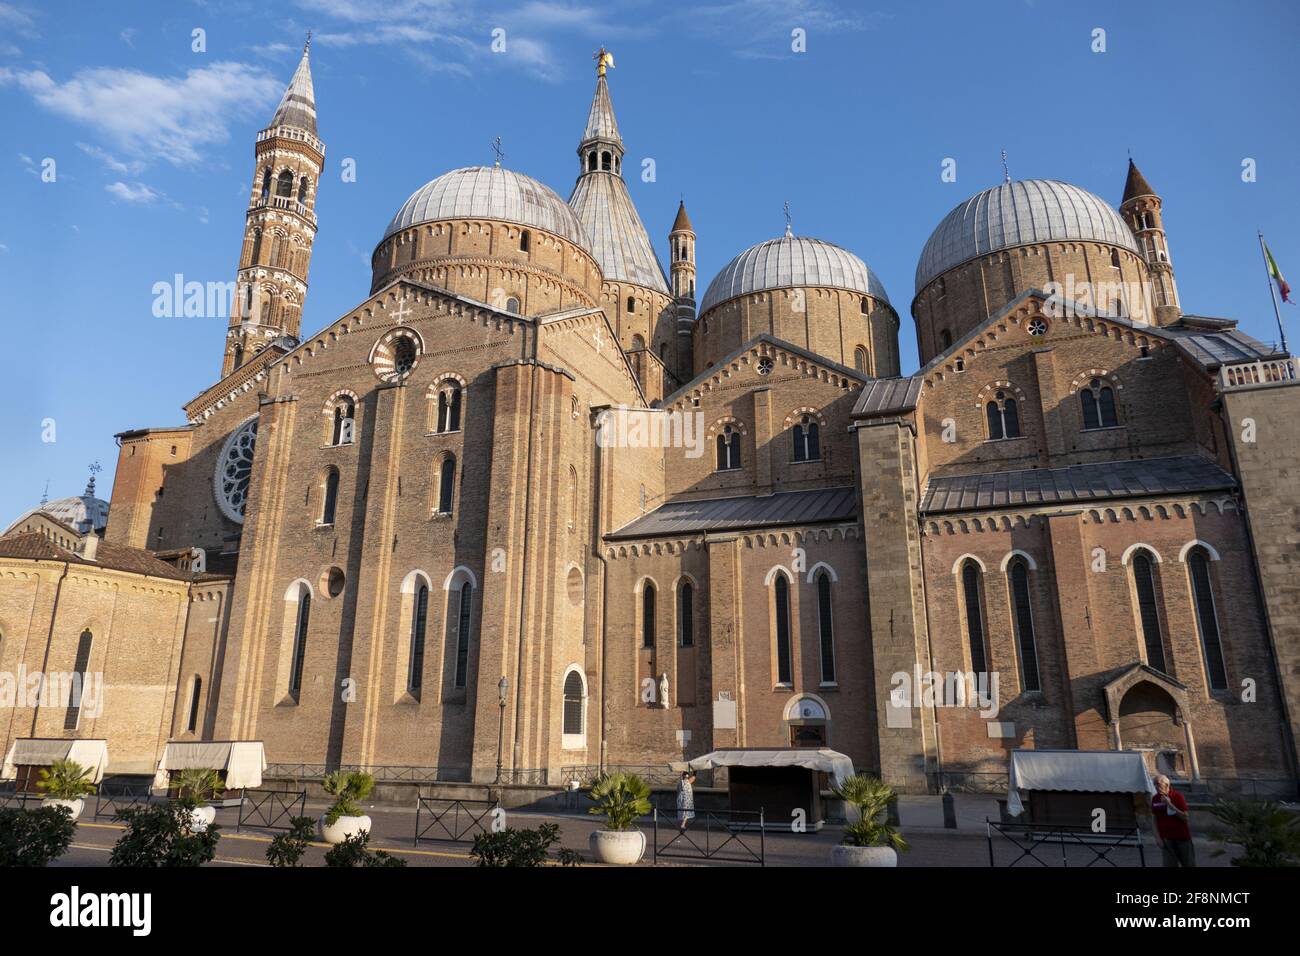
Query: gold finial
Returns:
{"type": "Point", "coordinates": [603, 59]}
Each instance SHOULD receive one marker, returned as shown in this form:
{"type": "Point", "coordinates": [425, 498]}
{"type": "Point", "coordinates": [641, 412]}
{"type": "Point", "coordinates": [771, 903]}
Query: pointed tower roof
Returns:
{"type": "Point", "coordinates": [298, 105]}
{"type": "Point", "coordinates": [604, 207]}
{"type": "Point", "coordinates": [1136, 184]}
{"type": "Point", "coordinates": [683, 222]}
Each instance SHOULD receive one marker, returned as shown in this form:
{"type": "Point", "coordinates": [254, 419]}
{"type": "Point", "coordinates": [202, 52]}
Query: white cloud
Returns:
{"type": "Point", "coordinates": [128, 36]}
{"type": "Point", "coordinates": [18, 20]}
{"type": "Point", "coordinates": [109, 160]}
{"type": "Point", "coordinates": [137, 193]}
{"type": "Point", "coordinates": [173, 118]}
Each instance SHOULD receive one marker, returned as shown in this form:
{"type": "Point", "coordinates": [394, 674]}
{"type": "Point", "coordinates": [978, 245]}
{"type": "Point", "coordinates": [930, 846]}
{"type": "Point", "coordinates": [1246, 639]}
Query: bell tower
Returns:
{"type": "Point", "coordinates": [1141, 210]}
{"type": "Point", "coordinates": [681, 256]}
{"type": "Point", "coordinates": [280, 225]}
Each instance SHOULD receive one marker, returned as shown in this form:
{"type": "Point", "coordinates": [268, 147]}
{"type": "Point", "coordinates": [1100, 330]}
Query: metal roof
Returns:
{"type": "Point", "coordinates": [789, 262]}
{"type": "Point", "coordinates": [618, 239]}
{"type": "Point", "coordinates": [1089, 482]}
{"type": "Point", "coordinates": [889, 396]}
{"type": "Point", "coordinates": [1214, 348]}
{"type": "Point", "coordinates": [1016, 214]}
{"type": "Point", "coordinates": [752, 511]}
{"type": "Point", "coordinates": [600, 120]}
{"type": "Point", "coordinates": [490, 192]}
{"type": "Point", "coordinates": [298, 105]}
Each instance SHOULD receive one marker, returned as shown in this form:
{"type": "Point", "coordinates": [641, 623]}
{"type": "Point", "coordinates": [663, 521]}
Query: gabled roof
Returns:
{"type": "Point", "coordinates": [33, 545]}
{"type": "Point", "coordinates": [1074, 483]}
{"type": "Point", "coordinates": [888, 396]}
{"type": "Point", "coordinates": [775, 343]}
{"type": "Point", "coordinates": [817, 506]}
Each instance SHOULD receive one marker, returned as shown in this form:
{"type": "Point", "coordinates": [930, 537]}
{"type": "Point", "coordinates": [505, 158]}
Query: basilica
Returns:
{"type": "Point", "coordinates": [432, 532]}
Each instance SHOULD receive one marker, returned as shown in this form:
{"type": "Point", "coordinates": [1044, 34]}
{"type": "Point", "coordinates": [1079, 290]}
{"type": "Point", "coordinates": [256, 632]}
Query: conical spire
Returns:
{"type": "Point", "coordinates": [683, 221]}
{"type": "Point", "coordinates": [1136, 184]}
{"type": "Point", "coordinates": [298, 105]}
{"type": "Point", "coordinates": [601, 125]}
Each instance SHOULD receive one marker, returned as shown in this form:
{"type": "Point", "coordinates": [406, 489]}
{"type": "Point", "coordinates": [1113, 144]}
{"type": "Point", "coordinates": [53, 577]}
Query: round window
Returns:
{"type": "Point", "coordinates": [235, 470]}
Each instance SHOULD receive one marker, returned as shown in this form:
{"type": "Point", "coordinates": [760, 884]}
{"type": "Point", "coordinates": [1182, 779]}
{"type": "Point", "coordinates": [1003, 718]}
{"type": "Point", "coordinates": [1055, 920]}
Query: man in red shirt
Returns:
{"type": "Point", "coordinates": [1169, 808]}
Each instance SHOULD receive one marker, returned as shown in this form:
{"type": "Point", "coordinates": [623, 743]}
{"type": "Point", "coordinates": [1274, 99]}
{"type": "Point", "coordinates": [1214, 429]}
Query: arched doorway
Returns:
{"type": "Point", "coordinates": [808, 720]}
{"type": "Point", "coordinates": [1149, 721]}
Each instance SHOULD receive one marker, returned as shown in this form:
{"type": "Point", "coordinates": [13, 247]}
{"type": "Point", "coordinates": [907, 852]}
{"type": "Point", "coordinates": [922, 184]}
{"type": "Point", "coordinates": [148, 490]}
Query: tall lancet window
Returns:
{"type": "Point", "coordinates": [728, 448]}
{"type": "Point", "coordinates": [807, 440]}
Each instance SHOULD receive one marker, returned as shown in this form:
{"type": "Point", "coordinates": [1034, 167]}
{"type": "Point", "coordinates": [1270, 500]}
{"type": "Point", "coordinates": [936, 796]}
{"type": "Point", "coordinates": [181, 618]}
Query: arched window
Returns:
{"type": "Point", "coordinates": [449, 408]}
{"type": "Point", "coordinates": [1003, 416]}
{"type": "Point", "coordinates": [781, 607]}
{"type": "Point", "coordinates": [302, 190]}
{"type": "Point", "coordinates": [464, 609]}
{"type": "Point", "coordinates": [865, 306]}
{"type": "Point", "coordinates": [945, 340]}
{"type": "Point", "coordinates": [196, 691]}
{"type": "Point", "coordinates": [591, 160]}
{"type": "Point", "coordinates": [78, 683]}
{"type": "Point", "coordinates": [1024, 620]}
{"type": "Point", "coordinates": [1144, 583]}
{"type": "Point", "coordinates": [971, 591]}
{"type": "Point", "coordinates": [300, 641]}
{"type": "Point", "coordinates": [403, 355]}
{"type": "Point", "coordinates": [1098, 405]}
{"type": "Point", "coordinates": [525, 240]}
{"type": "Point", "coordinates": [573, 498]}
{"type": "Point", "coordinates": [266, 185]}
{"type": "Point", "coordinates": [1114, 258]}
{"type": "Point", "coordinates": [512, 304]}
{"type": "Point", "coordinates": [861, 361]}
{"type": "Point", "coordinates": [807, 439]}
{"type": "Point", "coordinates": [686, 615]}
{"type": "Point", "coordinates": [257, 251]}
{"type": "Point", "coordinates": [419, 621]}
{"type": "Point", "coordinates": [1207, 619]}
{"type": "Point", "coordinates": [648, 615]}
{"type": "Point", "coordinates": [284, 184]}
{"type": "Point", "coordinates": [331, 496]}
{"type": "Point", "coordinates": [638, 342]}
{"type": "Point", "coordinates": [446, 485]}
{"type": "Point", "coordinates": [631, 303]}
{"type": "Point", "coordinates": [606, 161]}
{"type": "Point", "coordinates": [728, 448]}
{"type": "Point", "coordinates": [239, 356]}
{"type": "Point", "coordinates": [825, 631]}
{"type": "Point", "coordinates": [574, 724]}
{"type": "Point", "coordinates": [345, 412]}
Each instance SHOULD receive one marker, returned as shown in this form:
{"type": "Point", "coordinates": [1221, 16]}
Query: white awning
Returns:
{"type": "Point", "coordinates": [242, 760]}
{"type": "Point", "coordinates": [1087, 771]}
{"type": "Point", "coordinates": [43, 751]}
{"type": "Point", "coordinates": [828, 761]}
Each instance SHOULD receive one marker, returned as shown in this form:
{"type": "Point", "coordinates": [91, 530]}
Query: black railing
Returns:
{"type": "Point", "coordinates": [387, 774]}
{"type": "Point", "coordinates": [534, 776]}
{"type": "Point", "coordinates": [270, 809]}
{"type": "Point", "coordinates": [656, 775]}
{"type": "Point", "coordinates": [113, 798]}
{"type": "Point", "coordinates": [962, 781]}
{"type": "Point", "coordinates": [456, 820]}
{"type": "Point", "coordinates": [11, 797]}
{"type": "Point", "coordinates": [724, 836]}
{"type": "Point", "coordinates": [1059, 844]}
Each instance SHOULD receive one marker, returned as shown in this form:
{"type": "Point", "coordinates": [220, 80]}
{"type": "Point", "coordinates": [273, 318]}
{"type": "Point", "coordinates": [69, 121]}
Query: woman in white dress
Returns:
{"type": "Point", "coordinates": [686, 798]}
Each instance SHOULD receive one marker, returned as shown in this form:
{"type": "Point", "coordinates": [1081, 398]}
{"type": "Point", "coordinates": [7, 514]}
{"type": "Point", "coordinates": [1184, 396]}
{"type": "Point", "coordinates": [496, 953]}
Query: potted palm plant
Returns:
{"type": "Point", "coordinates": [620, 798]}
{"type": "Point", "coordinates": [344, 818]}
{"type": "Point", "coordinates": [195, 788]}
{"type": "Point", "coordinates": [869, 840]}
{"type": "Point", "coordinates": [65, 783]}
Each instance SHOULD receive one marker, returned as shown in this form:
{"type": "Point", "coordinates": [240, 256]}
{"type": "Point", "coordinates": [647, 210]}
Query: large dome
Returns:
{"type": "Point", "coordinates": [1016, 214]}
{"type": "Point", "coordinates": [490, 192]}
{"type": "Point", "coordinates": [789, 262]}
{"type": "Point", "coordinates": [84, 513]}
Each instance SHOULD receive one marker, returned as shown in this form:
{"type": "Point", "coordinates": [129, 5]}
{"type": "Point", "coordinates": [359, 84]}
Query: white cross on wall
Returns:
{"type": "Point", "coordinates": [402, 311]}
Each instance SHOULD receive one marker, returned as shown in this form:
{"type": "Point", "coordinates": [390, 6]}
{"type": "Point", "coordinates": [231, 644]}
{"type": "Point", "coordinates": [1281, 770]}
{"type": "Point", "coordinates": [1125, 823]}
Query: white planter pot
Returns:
{"type": "Point", "coordinates": [202, 817]}
{"type": "Point", "coordinates": [343, 828]}
{"type": "Point", "coordinates": [620, 847]}
{"type": "Point", "coordinates": [842, 855]}
{"type": "Point", "coordinates": [76, 806]}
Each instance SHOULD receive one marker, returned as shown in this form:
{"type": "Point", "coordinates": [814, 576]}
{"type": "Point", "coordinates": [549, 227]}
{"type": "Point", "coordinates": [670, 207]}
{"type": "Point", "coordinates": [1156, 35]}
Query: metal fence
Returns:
{"type": "Point", "coordinates": [112, 798]}
{"type": "Point", "coordinates": [962, 781]}
{"type": "Point", "coordinates": [722, 836]}
{"type": "Point", "coordinates": [11, 798]}
{"type": "Point", "coordinates": [1064, 846]}
{"type": "Point", "coordinates": [1244, 788]}
{"type": "Point", "coordinates": [270, 809]}
{"type": "Point", "coordinates": [656, 775]}
{"type": "Point", "coordinates": [385, 774]}
{"type": "Point", "coordinates": [456, 820]}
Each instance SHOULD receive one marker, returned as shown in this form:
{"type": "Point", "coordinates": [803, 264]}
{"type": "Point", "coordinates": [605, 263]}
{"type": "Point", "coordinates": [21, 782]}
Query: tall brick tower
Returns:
{"type": "Point", "coordinates": [681, 255]}
{"type": "Point", "coordinates": [280, 225]}
{"type": "Point", "coordinates": [1141, 210]}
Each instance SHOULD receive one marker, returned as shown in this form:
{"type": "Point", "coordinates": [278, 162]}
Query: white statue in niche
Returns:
{"type": "Point", "coordinates": [663, 690]}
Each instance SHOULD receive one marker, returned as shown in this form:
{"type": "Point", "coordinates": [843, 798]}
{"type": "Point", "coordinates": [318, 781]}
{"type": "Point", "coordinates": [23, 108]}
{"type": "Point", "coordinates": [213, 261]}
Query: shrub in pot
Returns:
{"type": "Point", "coordinates": [163, 835]}
{"type": "Point", "coordinates": [869, 840]}
{"type": "Point", "coordinates": [620, 798]}
{"type": "Point", "coordinates": [65, 783]}
{"type": "Point", "coordinates": [344, 818]}
{"type": "Point", "coordinates": [1267, 832]}
{"type": "Point", "coordinates": [194, 789]}
{"type": "Point", "coordinates": [34, 837]}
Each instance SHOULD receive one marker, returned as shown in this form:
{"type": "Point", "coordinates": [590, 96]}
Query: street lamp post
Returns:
{"type": "Point", "coordinates": [502, 686]}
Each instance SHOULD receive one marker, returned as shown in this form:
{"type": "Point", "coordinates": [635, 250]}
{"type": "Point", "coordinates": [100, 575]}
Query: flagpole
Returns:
{"type": "Point", "coordinates": [1272, 291]}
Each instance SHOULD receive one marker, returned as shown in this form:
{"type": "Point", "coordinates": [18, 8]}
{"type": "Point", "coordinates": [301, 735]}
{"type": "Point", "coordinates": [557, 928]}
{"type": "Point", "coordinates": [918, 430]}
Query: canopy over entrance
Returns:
{"type": "Point", "coordinates": [1086, 771]}
{"type": "Point", "coordinates": [822, 759]}
{"type": "Point", "coordinates": [241, 761]}
{"type": "Point", "coordinates": [43, 751]}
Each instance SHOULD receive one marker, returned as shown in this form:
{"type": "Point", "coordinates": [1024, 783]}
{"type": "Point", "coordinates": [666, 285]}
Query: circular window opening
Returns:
{"type": "Point", "coordinates": [332, 581]}
{"type": "Point", "coordinates": [765, 365]}
{"type": "Point", "coordinates": [403, 356]}
{"type": "Point", "coordinates": [1037, 326]}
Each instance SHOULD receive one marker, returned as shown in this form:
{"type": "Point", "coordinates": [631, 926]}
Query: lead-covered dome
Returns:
{"type": "Point", "coordinates": [791, 262]}
{"type": "Point", "coordinates": [490, 192]}
{"type": "Point", "coordinates": [1020, 213]}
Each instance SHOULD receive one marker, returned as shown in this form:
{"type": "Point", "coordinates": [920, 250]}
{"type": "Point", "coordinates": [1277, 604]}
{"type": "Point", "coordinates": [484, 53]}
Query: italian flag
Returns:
{"type": "Point", "coordinates": [1276, 273]}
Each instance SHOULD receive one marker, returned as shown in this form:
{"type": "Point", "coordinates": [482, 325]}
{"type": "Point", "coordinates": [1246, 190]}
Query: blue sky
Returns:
{"type": "Point", "coordinates": [152, 144]}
